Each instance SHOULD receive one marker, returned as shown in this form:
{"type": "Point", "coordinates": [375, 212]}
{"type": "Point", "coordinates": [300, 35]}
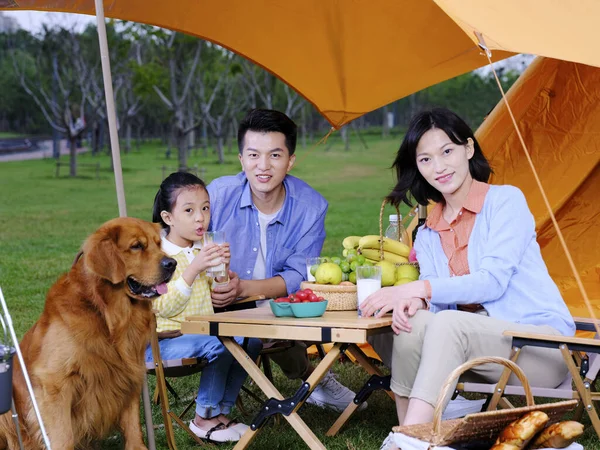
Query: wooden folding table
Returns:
{"type": "Point", "coordinates": [342, 328]}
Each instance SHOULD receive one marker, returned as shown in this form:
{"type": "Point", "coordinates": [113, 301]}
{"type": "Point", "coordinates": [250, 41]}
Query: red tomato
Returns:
{"type": "Point", "coordinates": [308, 291]}
{"type": "Point", "coordinates": [293, 299]}
{"type": "Point", "coordinates": [282, 300]}
{"type": "Point", "coordinates": [320, 299]}
{"type": "Point", "coordinates": [305, 301]}
{"type": "Point", "coordinates": [313, 297]}
{"type": "Point", "coordinates": [302, 295]}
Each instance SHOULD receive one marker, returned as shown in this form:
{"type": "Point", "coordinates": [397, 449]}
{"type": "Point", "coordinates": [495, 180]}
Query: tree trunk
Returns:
{"type": "Point", "coordinates": [345, 140]}
{"type": "Point", "coordinates": [220, 149]}
{"type": "Point", "coordinates": [182, 144]}
{"type": "Point", "coordinates": [127, 137]}
{"type": "Point", "coordinates": [73, 156]}
{"type": "Point", "coordinates": [385, 129]}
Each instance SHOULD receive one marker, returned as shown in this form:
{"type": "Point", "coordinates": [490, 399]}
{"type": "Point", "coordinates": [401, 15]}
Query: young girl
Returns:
{"type": "Point", "coordinates": [482, 271]}
{"type": "Point", "coordinates": [182, 207]}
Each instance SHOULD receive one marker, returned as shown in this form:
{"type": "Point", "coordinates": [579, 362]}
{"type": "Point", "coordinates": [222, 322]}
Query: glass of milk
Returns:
{"type": "Point", "coordinates": [368, 281]}
{"type": "Point", "coordinates": [215, 237]}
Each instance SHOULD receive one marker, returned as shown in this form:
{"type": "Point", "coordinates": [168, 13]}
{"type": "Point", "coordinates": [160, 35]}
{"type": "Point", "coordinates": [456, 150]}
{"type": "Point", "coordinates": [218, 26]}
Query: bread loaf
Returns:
{"type": "Point", "coordinates": [558, 435]}
{"type": "Point", "coordinates": [504, 447]}
{"type": "Point", "coordinates": [521, 431]}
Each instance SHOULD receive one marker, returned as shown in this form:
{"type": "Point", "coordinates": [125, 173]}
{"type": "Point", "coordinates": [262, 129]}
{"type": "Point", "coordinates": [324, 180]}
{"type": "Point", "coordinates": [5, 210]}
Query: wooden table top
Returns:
{"type": "Point", "coordinates": [264, 316]}
{"type": "Point", "coordinates": [333, 326]}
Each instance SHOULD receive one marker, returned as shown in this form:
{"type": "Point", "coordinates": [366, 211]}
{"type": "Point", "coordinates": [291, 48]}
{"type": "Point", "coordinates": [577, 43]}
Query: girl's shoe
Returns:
{"type": "Point", "coordinates": [218, 433]}
{"type": "Point", "coordinates": [237, 426]}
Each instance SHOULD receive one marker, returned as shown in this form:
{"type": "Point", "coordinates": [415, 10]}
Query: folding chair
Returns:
{"type": "Point", "coordinates": [183, 367]}
{"type": "Point", "coordinates": [581, 358]}
{"type": "Point", "coordinates": [172, 369]}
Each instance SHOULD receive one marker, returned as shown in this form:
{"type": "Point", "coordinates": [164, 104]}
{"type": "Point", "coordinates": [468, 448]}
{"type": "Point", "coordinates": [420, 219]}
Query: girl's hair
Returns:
{"type": "Point", "coordinates": [410, 179]}
{"type": "Point", "coordinates": [169, 190]}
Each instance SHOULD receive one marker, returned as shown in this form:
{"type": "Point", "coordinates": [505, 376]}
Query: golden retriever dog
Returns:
{"type": "Point", "coordinates": [85, 354]}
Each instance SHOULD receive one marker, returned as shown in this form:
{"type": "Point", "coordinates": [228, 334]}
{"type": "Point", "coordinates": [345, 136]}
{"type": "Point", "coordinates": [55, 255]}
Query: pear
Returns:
{"type": "Point", "coordinates": [407, 271]}
{"type": "Point", "coordinates": [388, 273]}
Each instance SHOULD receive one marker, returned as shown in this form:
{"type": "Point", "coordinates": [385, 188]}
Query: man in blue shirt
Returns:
{"type": "Point", "coordinates": [273, 222]}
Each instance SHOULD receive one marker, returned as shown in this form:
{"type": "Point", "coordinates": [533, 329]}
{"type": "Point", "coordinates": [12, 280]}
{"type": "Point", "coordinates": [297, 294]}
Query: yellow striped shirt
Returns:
{"type": "Point", "coordinates": [182, 300]}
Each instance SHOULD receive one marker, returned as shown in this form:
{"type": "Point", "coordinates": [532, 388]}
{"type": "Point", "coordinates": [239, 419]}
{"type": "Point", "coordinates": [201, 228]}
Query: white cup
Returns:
{"type": "Point", "coordinates": [368, 281]}
{"type": "Point", "coordinates": [215, 237]}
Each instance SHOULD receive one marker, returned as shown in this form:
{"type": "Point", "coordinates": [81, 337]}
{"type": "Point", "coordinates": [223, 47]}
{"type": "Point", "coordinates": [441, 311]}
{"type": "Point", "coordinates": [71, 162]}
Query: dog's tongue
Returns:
{"type": "Point", "coordinates": [161, 288]}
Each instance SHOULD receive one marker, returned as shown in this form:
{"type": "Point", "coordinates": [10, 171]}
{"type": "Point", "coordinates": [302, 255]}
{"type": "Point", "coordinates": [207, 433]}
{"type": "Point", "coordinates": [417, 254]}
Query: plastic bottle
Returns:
{"type": "Point", "coordinates": [392, 230]}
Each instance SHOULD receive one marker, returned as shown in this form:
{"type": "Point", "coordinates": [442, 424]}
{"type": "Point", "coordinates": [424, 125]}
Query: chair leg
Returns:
{"type": "Point", "coordinates": [582, 388]}
{"type": "Point", "coordinates": [171, 390]}
{"type": "Point", "coordinates": [266, 362]}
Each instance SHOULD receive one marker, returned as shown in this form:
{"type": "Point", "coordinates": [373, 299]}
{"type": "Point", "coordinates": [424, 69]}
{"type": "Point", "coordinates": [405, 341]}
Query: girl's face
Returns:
{"type": "Point", "coordinates": [444, 164]}
{"type": "Point", "coordinates": [189, 217]}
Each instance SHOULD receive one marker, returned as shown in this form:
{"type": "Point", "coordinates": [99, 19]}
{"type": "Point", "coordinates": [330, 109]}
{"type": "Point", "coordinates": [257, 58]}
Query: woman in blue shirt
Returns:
{"type": "Point", "coordinates": [481, 271]}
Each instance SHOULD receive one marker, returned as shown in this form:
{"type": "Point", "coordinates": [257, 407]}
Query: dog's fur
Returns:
{"type": "Point", "coordinates": [85, 354]}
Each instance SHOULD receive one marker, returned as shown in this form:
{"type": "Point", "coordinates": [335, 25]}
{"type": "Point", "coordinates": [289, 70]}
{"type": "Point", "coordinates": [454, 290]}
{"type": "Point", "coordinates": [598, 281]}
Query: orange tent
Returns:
{"type": "Point", "coordinates": [557, 107]}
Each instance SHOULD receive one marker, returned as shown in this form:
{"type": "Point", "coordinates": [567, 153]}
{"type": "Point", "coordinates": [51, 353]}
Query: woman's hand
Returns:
{"type": "Point", "coordinates": [384, 299]}
{"type": "Point", "coordinates": [405, 309]}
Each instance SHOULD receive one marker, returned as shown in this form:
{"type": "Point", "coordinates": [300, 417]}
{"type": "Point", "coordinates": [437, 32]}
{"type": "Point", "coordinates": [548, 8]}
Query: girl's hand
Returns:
{"type": "Point", "coordinates": [405, 309]}
{"type": "Point", "coordinates": [209, 256]}
{"type": "Point", "coordinates": [225, 253]}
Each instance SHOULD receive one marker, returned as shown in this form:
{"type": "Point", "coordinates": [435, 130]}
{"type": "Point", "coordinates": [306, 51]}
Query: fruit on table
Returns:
{"type": "Point", "coordinates": [373, 254]}
{"type": "Point", "coordinates": [403, 281]}
{"type": "Point", "coordinates": [301, 296]}
{"type": "Point", "coordinates": [388, 273]}
{"type": "Point", "coordinates": [407, 271]}
{"type": "Point", "coordinates": [328, 273]}
{"type": "Point", "coordinates": [372, 241]}
{"type": "Point", "coordinates": [350, 242]}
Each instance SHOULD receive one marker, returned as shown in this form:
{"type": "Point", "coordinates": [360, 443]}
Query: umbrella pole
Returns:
{"type": "Point", "coordinates": [110, 108]}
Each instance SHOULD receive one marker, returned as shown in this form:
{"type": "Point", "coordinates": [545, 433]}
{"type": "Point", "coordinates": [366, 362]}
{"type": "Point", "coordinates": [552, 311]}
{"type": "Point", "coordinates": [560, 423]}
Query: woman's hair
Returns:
{"type": "Point", "coordinates": [169, 190]}
{"type": "Point", "coordinates": [410, 180]}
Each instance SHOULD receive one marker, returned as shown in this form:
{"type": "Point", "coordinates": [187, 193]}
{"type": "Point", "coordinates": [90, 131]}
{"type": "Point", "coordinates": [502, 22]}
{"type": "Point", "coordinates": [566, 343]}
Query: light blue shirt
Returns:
{"type": "Point", "coordinates": [296, 233]}
{"type": "Point", "coordinates": [507, 273]}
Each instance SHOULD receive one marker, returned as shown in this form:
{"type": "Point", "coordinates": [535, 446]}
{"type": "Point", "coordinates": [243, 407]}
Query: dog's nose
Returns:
{"type": "Point", "coordinates": [168, 264]}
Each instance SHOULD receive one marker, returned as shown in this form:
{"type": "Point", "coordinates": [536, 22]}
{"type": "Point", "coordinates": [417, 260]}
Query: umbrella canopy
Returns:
{"type": "Point", "coordinates": [346, 57]}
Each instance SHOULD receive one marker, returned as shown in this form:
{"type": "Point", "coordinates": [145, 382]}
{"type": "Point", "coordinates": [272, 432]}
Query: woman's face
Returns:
{"type": "Point", "coordinates": [444, 164]}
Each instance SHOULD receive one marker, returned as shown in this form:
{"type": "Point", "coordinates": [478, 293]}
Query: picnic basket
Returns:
{"type": "Point", "coordinates": [340, 297]}
{"type": "Point", "coordinates": [484, 426]}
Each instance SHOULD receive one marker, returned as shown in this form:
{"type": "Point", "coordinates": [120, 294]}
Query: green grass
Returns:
{"type": "Point", "coordinates": [44, 220]}
{"type": "Point", "coordinates": [7, 135]}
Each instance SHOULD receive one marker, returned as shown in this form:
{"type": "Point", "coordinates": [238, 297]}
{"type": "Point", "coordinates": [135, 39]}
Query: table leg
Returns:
{"type": "Point", "coordinates": [271, 391]}
{"type": "Point", "coordinates": [363, 360]}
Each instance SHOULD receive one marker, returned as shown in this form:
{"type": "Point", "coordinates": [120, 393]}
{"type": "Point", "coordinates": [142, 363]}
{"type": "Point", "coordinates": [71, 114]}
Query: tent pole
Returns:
{"type": "Point", "coordinates": [110, 108]}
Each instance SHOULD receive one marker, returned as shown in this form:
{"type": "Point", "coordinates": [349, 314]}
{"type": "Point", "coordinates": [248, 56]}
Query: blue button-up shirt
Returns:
{"type": "Point", "coordinates": [296, 233]}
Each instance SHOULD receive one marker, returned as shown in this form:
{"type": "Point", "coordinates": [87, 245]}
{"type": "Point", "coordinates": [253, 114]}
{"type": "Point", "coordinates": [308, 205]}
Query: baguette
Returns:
{"type": "Point", "coordinates": [505, 447]}
{"type": "Point", "coordinates": [559, 435]}
{"type": "Point", "coordinates": [521, 431]}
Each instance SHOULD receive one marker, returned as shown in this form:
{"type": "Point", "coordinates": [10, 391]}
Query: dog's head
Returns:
{"type": "Point", "coordinates": [127, 250]}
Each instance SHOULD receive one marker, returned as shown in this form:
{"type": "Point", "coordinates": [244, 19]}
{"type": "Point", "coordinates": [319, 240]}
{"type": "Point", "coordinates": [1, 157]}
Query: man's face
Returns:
{"type": "Point", "coordinates": [265, 160]}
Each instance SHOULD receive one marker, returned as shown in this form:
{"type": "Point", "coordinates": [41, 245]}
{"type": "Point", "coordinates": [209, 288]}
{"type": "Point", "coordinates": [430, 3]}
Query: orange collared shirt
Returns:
{"type": "Point", "coordinates": [455, 236]}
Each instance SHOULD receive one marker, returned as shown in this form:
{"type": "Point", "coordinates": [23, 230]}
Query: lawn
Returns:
{"type": "Point", "coordinates": [44, 220]}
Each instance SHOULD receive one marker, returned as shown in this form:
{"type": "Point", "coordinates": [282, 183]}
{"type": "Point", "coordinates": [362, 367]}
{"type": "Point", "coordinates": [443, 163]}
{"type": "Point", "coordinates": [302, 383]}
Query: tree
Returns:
{"type": "Point", "coordinates": [64, 107]}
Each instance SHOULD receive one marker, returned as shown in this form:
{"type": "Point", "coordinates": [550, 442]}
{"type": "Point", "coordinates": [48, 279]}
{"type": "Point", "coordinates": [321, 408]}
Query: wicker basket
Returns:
{"type": "Point", "coordinates": [479, 427]}
{"type": "Point", "coordinates": [341, 298]}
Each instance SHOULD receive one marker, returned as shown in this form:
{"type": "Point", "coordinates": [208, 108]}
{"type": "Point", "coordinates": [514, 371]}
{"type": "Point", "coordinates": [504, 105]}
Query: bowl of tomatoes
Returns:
{"type": "Point", "coordinates": [303, 303]}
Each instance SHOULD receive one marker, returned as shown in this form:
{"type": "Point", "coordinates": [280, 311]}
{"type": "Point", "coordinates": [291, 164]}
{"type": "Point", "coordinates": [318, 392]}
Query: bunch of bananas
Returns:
{"type": "Point", "coordinates": [368, 246]}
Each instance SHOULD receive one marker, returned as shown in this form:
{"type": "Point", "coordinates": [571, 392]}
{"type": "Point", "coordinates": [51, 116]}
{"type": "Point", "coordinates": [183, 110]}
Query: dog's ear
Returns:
{"type": "Point", "coordinates": [102, 256]}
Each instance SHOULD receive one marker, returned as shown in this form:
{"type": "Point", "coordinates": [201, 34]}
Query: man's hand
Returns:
{"type": "Point", "coordinates": [225, 295]}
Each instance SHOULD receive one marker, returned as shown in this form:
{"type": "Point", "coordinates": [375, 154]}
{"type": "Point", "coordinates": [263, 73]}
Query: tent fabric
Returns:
{"type": "Point", "coordinates": [346, 57]}
{"type": "Point", "coordinates": [553, 28]}
{"type": "Point", "coordinates": [557, 107]}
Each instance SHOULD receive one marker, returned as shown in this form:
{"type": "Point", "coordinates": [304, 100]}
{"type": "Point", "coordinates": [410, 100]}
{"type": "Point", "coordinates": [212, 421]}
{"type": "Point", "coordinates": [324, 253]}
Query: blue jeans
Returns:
{"type": "Point", "coordinates": [223, 377]}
